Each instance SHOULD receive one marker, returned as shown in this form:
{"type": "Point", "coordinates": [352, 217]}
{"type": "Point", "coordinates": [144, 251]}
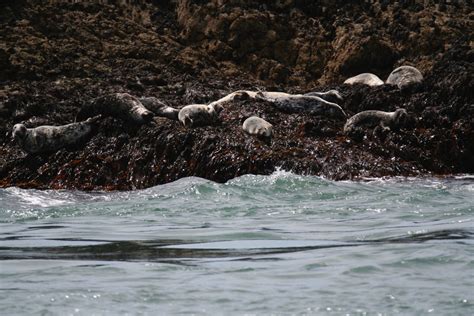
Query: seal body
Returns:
{"type": "Point", "coordinates": [373, 118]}
{"type": "Point", "coordinates": [331, 96]}
{"type": "Point", "coordinates": [313, 102]}
{"type": "Point", "coordinates": [236, 95]}
{"type": "Point", "coordinates": [404, 76]}
{"type": "Point", "coordinates": [298, 103]}
{"type": "Point", "coordinates": [159, 108]}
{"type": "Point", "coordinates": [119, 105]}
{"type": "Point", "coordinates": [51, 138]}
{"type": "Point", "coordinates": [197, 115]}
{"type": "Point", "coordinates": [365, 78]}
{"type": "Point", "coordinates": [258, 126]}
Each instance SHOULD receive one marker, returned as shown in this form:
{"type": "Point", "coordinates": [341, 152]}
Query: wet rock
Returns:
{"type": "Point", "coordinates": [55, 58]}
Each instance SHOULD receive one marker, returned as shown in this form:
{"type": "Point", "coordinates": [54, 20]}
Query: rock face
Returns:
{"type": "Point", "coordinates": [57, 56]}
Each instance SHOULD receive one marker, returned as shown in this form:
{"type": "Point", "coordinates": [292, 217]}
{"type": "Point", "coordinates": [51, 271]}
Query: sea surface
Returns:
{"type": "Point", "coordinates": [257, 245]}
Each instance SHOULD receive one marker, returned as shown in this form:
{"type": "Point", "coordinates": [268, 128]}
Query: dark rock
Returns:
{"type": "Point", "coordinates": [57, 56]}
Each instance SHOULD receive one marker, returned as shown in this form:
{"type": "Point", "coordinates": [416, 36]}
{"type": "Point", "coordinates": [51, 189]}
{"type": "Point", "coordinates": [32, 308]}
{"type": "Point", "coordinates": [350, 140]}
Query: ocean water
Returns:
{"type": "Point", "coordinates": [257, 245]}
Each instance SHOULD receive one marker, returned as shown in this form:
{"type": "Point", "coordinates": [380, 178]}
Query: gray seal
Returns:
{"type": "Point", "coordinates": [298, 103]}
{"type": "Point", "coordinates": [258, 126]}
{"type": "Point", "coordinates": [119, 105]}
{"type": "Point", "coordinates": [159, 108]}
{"type": "Point", "coordinates": [331, 96]}
{"type": "Point", "coordinates": [47, 138]}
{"type": "Point", "coordinates": [373, 118]}
{"type": "Point", "coordinates": [197, 115]}
{"type": "Point", "coordinates": [404, 76]}
{"type": "Point", "coordinates": [365, 78]}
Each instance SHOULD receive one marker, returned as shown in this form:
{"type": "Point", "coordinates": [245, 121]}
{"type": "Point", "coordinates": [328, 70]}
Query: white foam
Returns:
{"type": "Point", "coordinates": [39, 198]}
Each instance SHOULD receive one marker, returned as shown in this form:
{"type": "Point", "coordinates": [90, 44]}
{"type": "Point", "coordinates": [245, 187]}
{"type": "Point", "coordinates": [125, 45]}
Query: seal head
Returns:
{"type": "Point", "coordinates": [19, 132]}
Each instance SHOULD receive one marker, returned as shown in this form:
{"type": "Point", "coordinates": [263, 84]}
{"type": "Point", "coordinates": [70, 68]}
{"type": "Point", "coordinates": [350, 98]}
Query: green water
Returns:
{"type": "Point", "coordinates": [257, 245]}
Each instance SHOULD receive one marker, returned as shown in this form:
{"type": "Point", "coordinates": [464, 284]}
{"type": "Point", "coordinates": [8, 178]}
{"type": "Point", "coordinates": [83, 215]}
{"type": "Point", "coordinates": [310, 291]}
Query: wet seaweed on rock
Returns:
{"type": "Point", "coordinates": [57, 57]}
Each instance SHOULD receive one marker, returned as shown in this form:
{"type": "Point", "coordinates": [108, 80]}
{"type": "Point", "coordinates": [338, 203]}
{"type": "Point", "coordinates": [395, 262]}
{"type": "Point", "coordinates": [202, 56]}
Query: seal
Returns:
{"type": "Point", "coordinates": [159, 108]}
{"type": "Point", "coordinates": [331, 96]}
{"type": "Point", "coordinates": [236, 95]}
{"type": "Point", "coordinates": [365, 78]}
{"type": "Point", "coordinates": [298, 103]}
{"type": "Point", "coordinates": [373, 118]}
{"type": "Point", "coordinates": [258, 126]}
{"type": "Point", "coordinates": [47, 138]}
{"type": "Point", "coordinates": [404, 76]}
{"type": "Point", "coordinates": [197, 115]}
{"type": "Point", "coordinates": [312, 102]}
{"type": "Point", "coordinates": [119, 105]}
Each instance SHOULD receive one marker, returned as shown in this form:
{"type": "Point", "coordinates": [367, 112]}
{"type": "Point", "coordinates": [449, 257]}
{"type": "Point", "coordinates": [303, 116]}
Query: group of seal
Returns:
{"type": "Point", "coordinates": [142, 110]}
{"type": "Point", "coordinates": [401, 77]}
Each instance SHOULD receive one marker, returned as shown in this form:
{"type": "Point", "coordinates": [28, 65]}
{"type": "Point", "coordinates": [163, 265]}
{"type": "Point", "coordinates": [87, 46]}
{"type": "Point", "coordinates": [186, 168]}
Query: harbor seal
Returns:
{"type": "Point", "coordinates": [119, 105]}
{"type": "Point", "coordinates": [47, 138]}
{"type": "Point", "coordinates": [197, 115]}
{"type": "Point", "coordinates": [373, 118]}
{"type": "Point", "coordinates": [331, 96]}
{"type": "Point", "coordinates": [365, 78]}
{"type": "Point", "coordinates": [159, 108]}
{"type": "Point", "coordinates": [298, 103]}
{"type": "Point", "coordinates": [236, 95]}
{"type": "Point", "coordinates": [258, 126]}
{"type": "Point", "coordinates": [404, 76]}
{"type": "Point", "coordinates": [312, 102]}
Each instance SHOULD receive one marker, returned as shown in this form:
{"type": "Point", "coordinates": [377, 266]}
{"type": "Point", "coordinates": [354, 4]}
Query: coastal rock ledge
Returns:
{"type": "Point", "coordinates": [57, 56]}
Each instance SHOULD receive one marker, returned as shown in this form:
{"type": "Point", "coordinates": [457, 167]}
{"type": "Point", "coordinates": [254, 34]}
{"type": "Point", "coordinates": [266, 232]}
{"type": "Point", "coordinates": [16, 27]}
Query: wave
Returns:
{"type": "Point", "coordinates": [281, 191]}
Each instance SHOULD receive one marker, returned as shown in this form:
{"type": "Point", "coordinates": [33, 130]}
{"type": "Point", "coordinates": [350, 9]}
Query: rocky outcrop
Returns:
{"type": "Point", "coordinates": [60, 55]}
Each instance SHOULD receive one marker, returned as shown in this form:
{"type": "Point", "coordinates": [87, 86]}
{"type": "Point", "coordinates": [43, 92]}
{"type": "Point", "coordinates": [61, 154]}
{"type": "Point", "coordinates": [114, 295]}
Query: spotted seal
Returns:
{"type": "Point", "coordinates": [373, 118]}
{"type": "Point", "coordinates": [404, 76]}
{"type": "Point", "coordinates": [298, 103]}
{"type": "Point", "coordinates": [331, 96]}
{"type": "Point", "coordinates": [119, 105]}
{"type": "Point", "coordinates": [197, 115]}
{"type": "Point", "coordinates": [365, 78]}
{"type": "Point", "coordinates": [47, 138]}
{"type": "Point", "coordinates": [258, 126]}
{"type": "Point", "coordinates": [159, 108]}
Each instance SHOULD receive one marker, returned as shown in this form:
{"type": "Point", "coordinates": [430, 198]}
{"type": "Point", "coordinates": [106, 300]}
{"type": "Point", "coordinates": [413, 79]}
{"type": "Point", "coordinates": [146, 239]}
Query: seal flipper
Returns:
{"type": "Point", "coordinates": [332, 96]}
{"type": "Point", "coordinates": [94, 119]}
{"type": "Point", "coordinates": [159, 108]}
